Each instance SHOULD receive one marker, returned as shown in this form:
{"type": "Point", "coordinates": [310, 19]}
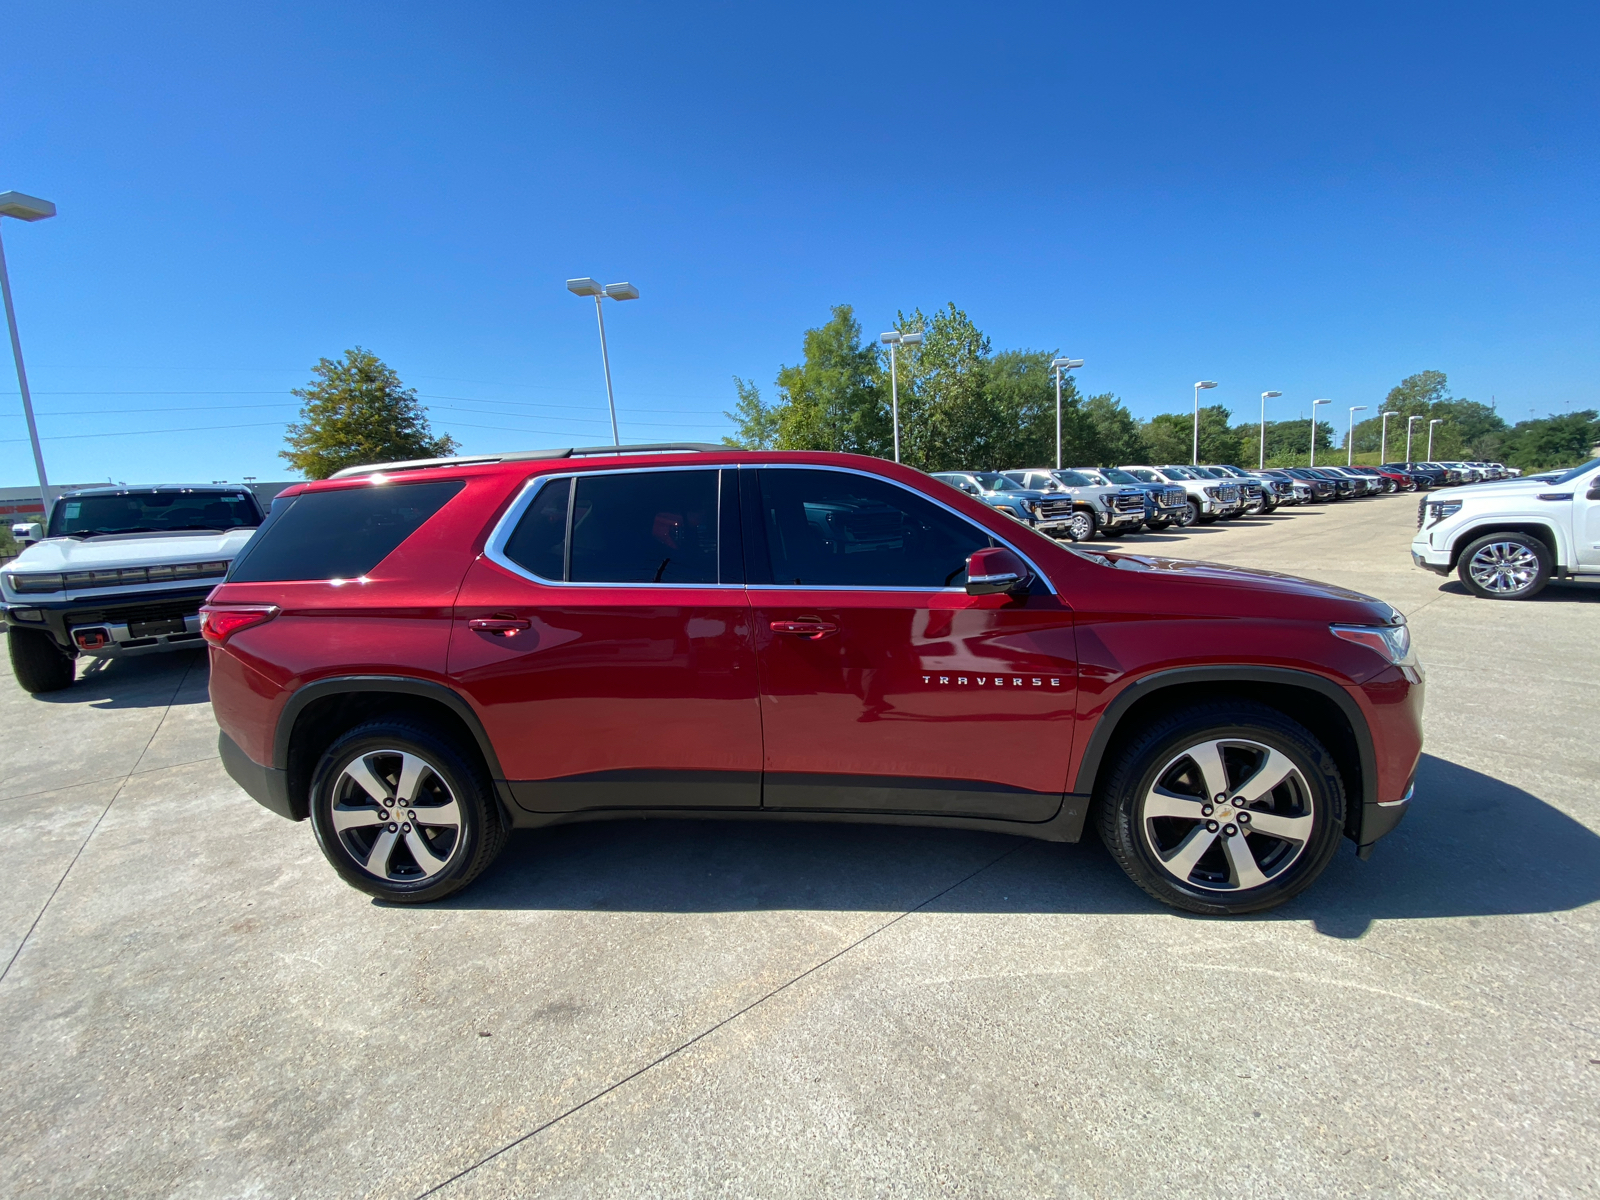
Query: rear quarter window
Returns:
{"type": "Point", "coordinates": [338, 535]}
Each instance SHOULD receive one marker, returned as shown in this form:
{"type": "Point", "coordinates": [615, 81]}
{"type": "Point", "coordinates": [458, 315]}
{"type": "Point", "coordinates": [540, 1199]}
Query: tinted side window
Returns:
{"type": "Point", "coordinates": [338, 535]}
{"type": "Point", "coordinates": [539, 542]}
{"type": "Point", "coordinates": [644, 527]}
{"type": "Point", "coordinates": [831, 529]}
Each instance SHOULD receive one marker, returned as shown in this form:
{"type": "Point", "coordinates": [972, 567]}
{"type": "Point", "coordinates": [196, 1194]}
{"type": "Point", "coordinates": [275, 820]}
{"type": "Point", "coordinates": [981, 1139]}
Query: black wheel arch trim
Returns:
{"type": "Point", "coordinates": [403, 684]}
{"type": "Point", "coordinates": [1147, 685]}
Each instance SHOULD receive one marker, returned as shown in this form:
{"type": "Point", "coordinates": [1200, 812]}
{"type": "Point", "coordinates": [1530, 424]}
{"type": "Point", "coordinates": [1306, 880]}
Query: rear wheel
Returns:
{"type": "Point", "coordinates": [1223, 809]}
{"type": "Point", "coordinates": [39, 664]}
{"type": "Point", "coordinates": [404, 814]}
{"type": "Point", "coordinates": [1505, 566]}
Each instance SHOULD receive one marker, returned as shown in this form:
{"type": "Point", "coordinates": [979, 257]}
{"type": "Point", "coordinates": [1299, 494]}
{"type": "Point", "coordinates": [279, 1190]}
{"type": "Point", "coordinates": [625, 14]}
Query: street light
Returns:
{"type": "Point", "coordinates": [1198, 388]}
{"type": "Point", "coordinates": [1410, 421]}
{"type": "Point", "coordinates": [892, 339]}
{"type": "Point", "coordinates": [1350, 436]}
{"type": "Point", "coordinates": [1059, 365]}
{"type": "Point", "coordinates": [1431, 424]}
{"type": "Point", "coordinates": [1314, 404]}
{"type": "Point", "coordinates": [1383, 443]}
{"type": "Point", "coordinates": [24, 208]}
{"type": "Point", "coordinates": [617, 291]}
{"type": "Point", "coordinates": [1265, 396]}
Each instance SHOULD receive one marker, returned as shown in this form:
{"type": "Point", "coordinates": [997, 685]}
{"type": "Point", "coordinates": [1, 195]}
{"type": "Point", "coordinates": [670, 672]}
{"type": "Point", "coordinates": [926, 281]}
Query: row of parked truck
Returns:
{"type": "Point", "coordinates": [1079, 502]}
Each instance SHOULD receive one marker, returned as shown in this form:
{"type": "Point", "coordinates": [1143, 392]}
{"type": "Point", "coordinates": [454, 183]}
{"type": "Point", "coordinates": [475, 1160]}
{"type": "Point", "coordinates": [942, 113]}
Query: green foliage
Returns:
{"type": "Point", "coordinates": [1468, 430]}
{"type": "Point", "coordinates": [1111, 435]}
{"type": "Point", "coordinates": [1021, 391]}
{"type": "Point", "coordinates": [1171, 437]}
{"type": "Point", "coordinates": [832, 400]}
{"type": "Point", "coordinates": [755, 423]}
{"type": "Point", "coordinates": [948, 415]}
{"type": "Point", "coordinates": [1288, 442]}
{"type": "Point", "coordinates": [1553, 441]}
{"type": "Point", "coordinates": [358, 412]}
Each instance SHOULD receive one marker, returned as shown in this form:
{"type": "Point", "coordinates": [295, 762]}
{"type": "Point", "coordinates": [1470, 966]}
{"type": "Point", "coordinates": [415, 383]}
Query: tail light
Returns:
{"type": "Point", "coordinates": [220, 622]}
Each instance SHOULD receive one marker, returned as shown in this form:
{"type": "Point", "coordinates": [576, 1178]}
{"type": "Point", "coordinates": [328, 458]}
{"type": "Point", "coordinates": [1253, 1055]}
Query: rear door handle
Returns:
{"type": "Point", "coordinates": [504, 626]}
{"type": "Point", "coordinates": [805, 629]}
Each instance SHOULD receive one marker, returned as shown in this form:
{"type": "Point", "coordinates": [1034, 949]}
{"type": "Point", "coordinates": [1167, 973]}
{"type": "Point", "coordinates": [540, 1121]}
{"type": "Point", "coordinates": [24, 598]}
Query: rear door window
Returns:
{"type": "Point", "coordinates": [340, 534]}
{"type": "Point", "coordinates": [627, 527]}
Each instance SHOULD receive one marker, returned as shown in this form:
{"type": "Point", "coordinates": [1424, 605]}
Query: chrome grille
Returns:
{"type": "Point", "coordinates": [1173, 497]}
{"type": "Point", "coordinates": [1228, 495]}
{"type": "Point", "coordinates": [1129, 502]}
{"type": "Point", "coordinates": [1422, 508]}
{"type": "Point", "coordinates": [1252, 491]}
{"type": "Point", "coordinates": [1050, 510]}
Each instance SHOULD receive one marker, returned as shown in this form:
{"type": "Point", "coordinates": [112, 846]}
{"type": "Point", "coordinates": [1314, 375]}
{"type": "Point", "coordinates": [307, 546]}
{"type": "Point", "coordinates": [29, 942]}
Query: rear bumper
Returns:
{"type": "Point", "coordinates": [267, 786]}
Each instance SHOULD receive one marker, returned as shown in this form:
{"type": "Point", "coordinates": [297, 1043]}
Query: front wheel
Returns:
{"type": "Point", "coordinates": [1505, 566]}
{"type": "Point", "coordinates": [1080, 527]}
{"type": "Point", "coordinates": [39, 664]}
{"type": "Point", "coordinates": [1189, 516]}
{"type": "Point", "coordinates": [1223, 809]}
{"type": "Point", "coordinates": [1159, 523]}
{"type": "Point", "coordinates": [404, 814]}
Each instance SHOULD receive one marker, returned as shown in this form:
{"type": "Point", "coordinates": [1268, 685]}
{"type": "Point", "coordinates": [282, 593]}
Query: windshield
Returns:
{"type": "Point", "coordinates": [1116, 475]}
{"type": "Point", "coordinates": [1576, 471]}
{"type": "Point", "coordinates": [1072, 479]}
{"type": "Point", "coordinates": [152, 512]}
{"type": "Point", "coordinates": [993, 481]}
{"type": "Point", "coordinates": [1178, 473]}
{"type": "Point", "coordinates": [1144, 475]}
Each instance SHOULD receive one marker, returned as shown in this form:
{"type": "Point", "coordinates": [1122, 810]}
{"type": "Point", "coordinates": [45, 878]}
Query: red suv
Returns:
{"type": "Point", "coordinates": [424, 656]}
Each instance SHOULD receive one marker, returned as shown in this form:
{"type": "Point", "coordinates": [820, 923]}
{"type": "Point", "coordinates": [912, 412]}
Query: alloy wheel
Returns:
{"type": "Point", "coordinates": [395, 816]}
{"type": "Point", "coordinates": [1080, 527]}
{"type": "Point", "coordinates": [1227, 815]}
{"type": "Point", "coordinates": [1504, 568]}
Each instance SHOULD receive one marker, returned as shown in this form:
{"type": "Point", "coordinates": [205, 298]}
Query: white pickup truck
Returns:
{"type": "Point", "coordinates": [1506, 540]}
{"type": "Point", "coordinates": [119, 571]}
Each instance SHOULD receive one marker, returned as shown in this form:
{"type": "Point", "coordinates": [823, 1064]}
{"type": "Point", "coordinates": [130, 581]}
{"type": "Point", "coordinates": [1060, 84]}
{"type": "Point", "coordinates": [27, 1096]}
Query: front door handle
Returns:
{"type": "Point", "coordinates": [502, 626]}
{"type": "Point", "coordinates": [809, 628]}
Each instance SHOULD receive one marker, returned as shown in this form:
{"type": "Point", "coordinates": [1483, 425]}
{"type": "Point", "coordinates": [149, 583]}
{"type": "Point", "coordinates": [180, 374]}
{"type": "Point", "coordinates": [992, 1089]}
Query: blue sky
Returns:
{"type": "Point", "coordinates": [1314, 200]}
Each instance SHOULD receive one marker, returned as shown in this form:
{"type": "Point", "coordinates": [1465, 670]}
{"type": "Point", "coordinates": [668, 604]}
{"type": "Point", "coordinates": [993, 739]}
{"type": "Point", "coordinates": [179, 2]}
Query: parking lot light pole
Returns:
{"type": "Point", "coordinates": [1431, 424]}
{"type": "Point", "coordinates": [1314, 404]}
{"type": "Point", "coordinates": [892, 339]}
{"type": "Point", "coordinates": [1350, 436]}
{"type": "Point", "coordinates": [1059, 365]}
{"type": "Point", "coordinates": [1265, 396]}
{"type": "Point", "coordinates": [1410, 421]}
{"type": "Point", "coordinates": [24, 208]}
{"type": "Point", "coordinates": [1198, 388]}
{"type": "Point", "coordinates": [617, 291]}
{"type": "Point", "coordinates": [1383, 441]}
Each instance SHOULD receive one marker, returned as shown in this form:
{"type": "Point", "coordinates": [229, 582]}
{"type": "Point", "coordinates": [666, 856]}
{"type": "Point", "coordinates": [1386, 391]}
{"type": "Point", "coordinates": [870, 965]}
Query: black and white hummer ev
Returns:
{"type": "Point", "coordinates": [118, 571]}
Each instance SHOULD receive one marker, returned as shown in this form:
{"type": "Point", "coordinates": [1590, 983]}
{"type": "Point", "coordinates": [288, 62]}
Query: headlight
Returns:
{"type": "Point", "coordinates": [34, 581]}
{"type": "Point", "coordinates": [1212, 492]}
{"type": "Point", "coordinates": [1438, 510]}
{"type": "Point", "coordinates": [1391, 642]}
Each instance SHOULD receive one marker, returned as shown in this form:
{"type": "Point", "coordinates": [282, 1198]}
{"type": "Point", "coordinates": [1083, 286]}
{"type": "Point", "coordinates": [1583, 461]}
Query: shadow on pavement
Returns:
{"type": "Point", "coordinates": [147, 681]}
{"type": "Point", "coordinates": [1557, 591]}
{"type": "Point", "coordinates": [1455, 855]}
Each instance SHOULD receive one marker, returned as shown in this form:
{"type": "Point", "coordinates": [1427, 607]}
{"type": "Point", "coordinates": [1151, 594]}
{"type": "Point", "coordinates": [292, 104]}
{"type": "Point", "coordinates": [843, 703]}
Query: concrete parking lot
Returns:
{"type": "Point", "coordinates": [196, 1006]}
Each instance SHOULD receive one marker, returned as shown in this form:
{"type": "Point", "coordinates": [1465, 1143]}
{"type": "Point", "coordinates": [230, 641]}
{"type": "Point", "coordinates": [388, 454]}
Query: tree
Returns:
{"type": "Point", "coordinates": [1288, 442]}
{"type": "Point", "coordinates": [756, 423]}
{"type": "Point", "coordinates": [1553, 441]}
{"type": "Point", "coordinates": [832, 400]}
{"type": "Point", "coordinates": [1467, 429]}
{"type": "Point", "coordinates": [1110, 433]}
{"type": "Point", "coordinates": [948, 415]}
{"type": "Point", "coordinates": [358, 412]}
{"type": "Point", "coordinates": [1020, 394]}
{"type": "Point", "coordinates": [1171, 437]}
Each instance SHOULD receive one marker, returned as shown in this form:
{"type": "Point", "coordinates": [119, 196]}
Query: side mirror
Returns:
{"type": "Point", "coordinates": [28, 532]}
{"type": "Point", "coordinates": [996, 570]}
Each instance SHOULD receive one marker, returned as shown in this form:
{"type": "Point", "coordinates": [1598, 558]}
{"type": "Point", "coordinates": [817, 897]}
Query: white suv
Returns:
{"type": "Point", "coordinates": [1506, 540]}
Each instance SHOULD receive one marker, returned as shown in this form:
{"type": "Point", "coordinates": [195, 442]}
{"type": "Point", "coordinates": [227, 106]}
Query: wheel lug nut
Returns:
{"type": "Point", "coordinates": [406, 828]}
{"type": "Point", "coordinates": [1221, 798]}
{"type": "Point", "coordinates": [1244, 818]}
{"type": "Point", "coordinates": [1205, 810]}
{"type": "Point", "coordinates": [393, 828]}
{"type": "Point", "coordinates": [1211, 826]}
{"type": "Point", "coordinates": [1230, 830]}
{"type": "Point", "coordinates": [1238, 802]}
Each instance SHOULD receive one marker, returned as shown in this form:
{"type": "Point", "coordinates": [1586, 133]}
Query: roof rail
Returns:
{"type": "Point", "coordinates": [417, 464]}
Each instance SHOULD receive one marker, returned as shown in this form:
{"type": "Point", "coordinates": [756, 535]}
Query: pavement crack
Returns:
{"type": "Point", "coordinates": [82, 846]}
{"type": "Point", "coordinates": [711, 1029]}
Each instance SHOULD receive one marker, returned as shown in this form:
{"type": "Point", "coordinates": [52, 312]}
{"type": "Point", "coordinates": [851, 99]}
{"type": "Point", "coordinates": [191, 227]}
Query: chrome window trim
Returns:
{"type": "Point", "coordinates": [494, 548]}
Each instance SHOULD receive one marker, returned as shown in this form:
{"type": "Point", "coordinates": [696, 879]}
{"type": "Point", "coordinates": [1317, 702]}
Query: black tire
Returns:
{"type": "Point", "coordinates": [39, 664]}
{"type": "Point", "coordinates": [1159, 524]}
{"type": "Point", "coordinates": [340, 812]}
{"type": "Point", "coordinates": [1080, 526]}
{"type": "Point", "coordinates": [1207, 518]}
{"type": "Point", "coordinates": [1503, 566]}
{"type": "Point", "coordinates": [1189, 516]}
{"type": "Point", "coordinates": [1310, 799]}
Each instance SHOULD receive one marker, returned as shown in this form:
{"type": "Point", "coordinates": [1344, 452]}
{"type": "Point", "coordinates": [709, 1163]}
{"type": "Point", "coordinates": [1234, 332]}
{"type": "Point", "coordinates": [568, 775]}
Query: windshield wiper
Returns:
{"type": "Point", "coordinates": [89, 533]}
